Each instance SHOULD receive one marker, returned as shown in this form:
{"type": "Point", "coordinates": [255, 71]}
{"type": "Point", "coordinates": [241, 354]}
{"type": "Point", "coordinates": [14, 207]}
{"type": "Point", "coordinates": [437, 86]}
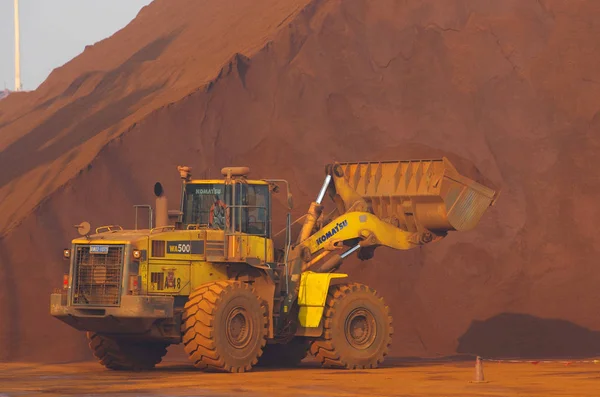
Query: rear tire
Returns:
{"type": "Point", "coordinates": [225, 327]}
{"type": "Point", "coordinates": [284, 355]}
{"type": "Point", "coordinates": [357, 329]}
{"type": "Point", "coordinates": [126, 355]}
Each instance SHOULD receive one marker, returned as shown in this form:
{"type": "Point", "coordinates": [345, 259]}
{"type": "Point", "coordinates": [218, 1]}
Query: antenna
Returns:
{"type": "Point", "coordinates": [17, 49]}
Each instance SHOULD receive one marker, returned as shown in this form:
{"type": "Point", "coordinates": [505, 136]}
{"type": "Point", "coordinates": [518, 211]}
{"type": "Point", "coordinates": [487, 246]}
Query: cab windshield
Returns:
{"type": "Point", "coordinates": [198, 201]}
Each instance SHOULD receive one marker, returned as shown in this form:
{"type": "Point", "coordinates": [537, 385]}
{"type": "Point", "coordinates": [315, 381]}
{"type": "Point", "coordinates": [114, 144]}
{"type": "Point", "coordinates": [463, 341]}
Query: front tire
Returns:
{"type": "Point", "coordinates": [357, 329]}
{"type": "Point", "coordinates": [126, 355]}
{"type": "Point", "coordinates": [225, 327]}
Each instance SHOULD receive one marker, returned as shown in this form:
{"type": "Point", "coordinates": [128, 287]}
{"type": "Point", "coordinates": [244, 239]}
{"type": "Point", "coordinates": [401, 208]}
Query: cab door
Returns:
{"type": "Point", "coordinates": [252, 222]}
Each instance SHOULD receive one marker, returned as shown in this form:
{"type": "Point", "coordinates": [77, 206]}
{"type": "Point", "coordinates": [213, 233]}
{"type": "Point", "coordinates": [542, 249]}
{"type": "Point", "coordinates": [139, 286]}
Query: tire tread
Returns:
{"type": "Point", "coordinates": [198, 327]}
{"type": "Point", "coordinates": [324, 348]}
{"type": "Point", "coordinates": [125, 355]}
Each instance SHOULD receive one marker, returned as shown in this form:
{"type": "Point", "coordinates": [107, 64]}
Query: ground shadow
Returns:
{"type": "Point", "coordinates": [311, 364]}
{"type": "Point", "coordinates": [524, 336]}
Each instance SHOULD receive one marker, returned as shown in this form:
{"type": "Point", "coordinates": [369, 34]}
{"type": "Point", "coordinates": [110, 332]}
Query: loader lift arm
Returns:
{"type": "Point", "coordinates": [359, 230]}
{"type": "Point", "coordinates": [396, 204]}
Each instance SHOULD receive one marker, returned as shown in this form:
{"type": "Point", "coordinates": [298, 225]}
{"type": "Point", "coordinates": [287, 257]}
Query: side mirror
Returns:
{"type": "Point", "coordinates": [290, 201]}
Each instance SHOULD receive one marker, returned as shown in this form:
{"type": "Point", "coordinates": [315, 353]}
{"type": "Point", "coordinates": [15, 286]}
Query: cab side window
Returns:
{"type": "Point", "coordinates": [254, 210]}
{"type": "Point", "coordinates": [258, 219]}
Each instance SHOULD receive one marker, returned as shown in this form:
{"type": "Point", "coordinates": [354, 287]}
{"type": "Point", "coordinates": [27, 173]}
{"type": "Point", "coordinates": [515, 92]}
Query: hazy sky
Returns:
{"type": "Point", "coordinates": [55, 31]}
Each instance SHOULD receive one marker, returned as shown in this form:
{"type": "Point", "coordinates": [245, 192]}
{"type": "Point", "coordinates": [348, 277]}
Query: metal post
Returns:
{"type": "Point", "coordinates": [150, 212]}
{"type": "Point", "coordinates": [17, 48]}
{"type": "Point", "coordinates": [288, 244]}
{"type": "Point", "coordinates": [181, 200]}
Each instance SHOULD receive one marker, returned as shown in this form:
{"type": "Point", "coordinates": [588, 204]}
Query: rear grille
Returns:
{"type": "Point", "coordinates": [97, 276]}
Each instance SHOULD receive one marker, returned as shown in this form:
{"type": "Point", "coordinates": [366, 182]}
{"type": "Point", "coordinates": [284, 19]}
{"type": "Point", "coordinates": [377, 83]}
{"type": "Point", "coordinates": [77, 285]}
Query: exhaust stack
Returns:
{"type": "Point", "coordinates": [162, 213]}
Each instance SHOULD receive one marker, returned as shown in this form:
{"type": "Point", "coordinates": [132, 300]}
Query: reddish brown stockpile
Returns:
{"type": "Point", "coordinates": [507, 90]}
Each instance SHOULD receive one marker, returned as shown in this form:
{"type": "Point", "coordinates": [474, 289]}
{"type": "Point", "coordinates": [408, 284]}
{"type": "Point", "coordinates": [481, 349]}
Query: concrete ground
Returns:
{"type": "Point", "coordinates": [396, 378]}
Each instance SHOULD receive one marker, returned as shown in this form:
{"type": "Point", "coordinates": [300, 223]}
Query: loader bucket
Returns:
{"type": "Point", "coordinates": [418, 195]}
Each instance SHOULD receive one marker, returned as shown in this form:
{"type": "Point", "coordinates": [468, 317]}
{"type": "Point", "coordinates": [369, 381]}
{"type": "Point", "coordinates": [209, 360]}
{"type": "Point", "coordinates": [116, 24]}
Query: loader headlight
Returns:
{"type": "Point", "coordinates": [66, 253]}
{"type": "Point", "coordinates": [137, 254]}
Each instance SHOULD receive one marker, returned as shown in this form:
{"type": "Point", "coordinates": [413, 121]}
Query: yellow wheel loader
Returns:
{"type": "Point", "coordinates": [211, 276]}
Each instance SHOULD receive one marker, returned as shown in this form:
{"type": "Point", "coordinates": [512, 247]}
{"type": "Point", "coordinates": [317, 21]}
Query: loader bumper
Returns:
{"type": "Point", "coordinates": [136, 314]}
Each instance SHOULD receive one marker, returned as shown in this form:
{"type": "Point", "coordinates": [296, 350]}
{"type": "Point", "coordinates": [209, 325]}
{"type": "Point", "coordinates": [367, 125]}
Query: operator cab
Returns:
{"type": "Point", "coordinates": [235, 205]}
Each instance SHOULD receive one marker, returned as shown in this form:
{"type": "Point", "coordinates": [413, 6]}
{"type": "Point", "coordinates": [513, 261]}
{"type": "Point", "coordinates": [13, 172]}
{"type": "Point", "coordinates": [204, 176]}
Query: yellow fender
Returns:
{"type": "Point", "coordinates": [313, 295]}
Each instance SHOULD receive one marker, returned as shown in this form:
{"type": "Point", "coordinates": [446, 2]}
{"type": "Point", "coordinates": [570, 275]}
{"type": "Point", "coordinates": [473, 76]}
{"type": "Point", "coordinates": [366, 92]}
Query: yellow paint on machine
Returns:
{"type": "Point", "coordinates": [354, 224]}
{"type": "Point", "coordinates": [313, 295]}
{"type": "Point", "coordinates": [169, 277]}
{"type": "Point", "coordinates": [205, 272]}
{"type": "Point", "coordinates": [173, 278]}
{"type": "Point", "coordinates": [222, 181]}
{"type": "Point", "coordinates": [250, 246]}
{"type": "Point", "coordinates": [81, 241]}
